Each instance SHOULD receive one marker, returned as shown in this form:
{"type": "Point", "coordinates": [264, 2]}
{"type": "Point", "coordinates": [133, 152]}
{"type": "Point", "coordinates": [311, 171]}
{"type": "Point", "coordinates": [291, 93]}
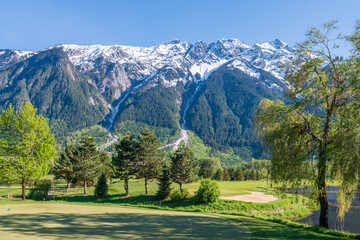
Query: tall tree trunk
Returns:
{"type": "Point", "coordinates": [146, 186]}
{"type": "Point", "coordinates": [23, 184]}
{"type": "Point", "coordinates": [324, 205]}
{"type": "Point", "coordinates": [126, 186]}
{"type": "Point", "coordinates": [181, 189]}
{"type": "Point", "coordinates": [85, 187]}
{"type": "Point", "coordinates": [9, 191]}
{"type": "Point", "coordinates": [68, 185]}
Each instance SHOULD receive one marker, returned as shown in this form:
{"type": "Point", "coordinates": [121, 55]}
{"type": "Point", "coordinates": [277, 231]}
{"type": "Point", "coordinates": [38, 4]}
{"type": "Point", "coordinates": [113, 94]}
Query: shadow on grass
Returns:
{"type": "Point", "coordinates": [128, 225]}
{"type": "Point", "coordinates": [121, 199]}
{"type": "Point", "coordinates": [261, 229]}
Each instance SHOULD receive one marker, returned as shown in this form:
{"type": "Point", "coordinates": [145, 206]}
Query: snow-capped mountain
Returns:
{"type": "Point", "coordinates": [115, 68]}
{"type": "Point", "coordinates": [175, 61]}
{"type": "Point", "coordinates": [8, 57]}
{"type": "Point", "coordinates": [112, 83]}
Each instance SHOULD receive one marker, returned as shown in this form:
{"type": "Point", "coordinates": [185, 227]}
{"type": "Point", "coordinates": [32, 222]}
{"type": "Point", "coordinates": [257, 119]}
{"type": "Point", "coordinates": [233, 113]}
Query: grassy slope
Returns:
{"type": "Point", "coordinates": [261, 229]}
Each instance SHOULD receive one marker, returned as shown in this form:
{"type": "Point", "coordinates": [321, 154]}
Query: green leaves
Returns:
{"type": "Point", "coordinates": [150, 158]}
{"type": "Point", "coordinates": [138, 157]}
{"type": "Point", "coordinates": [183, 165]}
{"type": "Point", "coordinates": [26, 145]}
{"type": "Point", "coordinates": [320, 128]}
{"type": "Point", "coordinates": [87, 164]}
{"type": "Point", "coordinates": [208, 192]}
{"type": "Point", "coordinates": [124, 160]}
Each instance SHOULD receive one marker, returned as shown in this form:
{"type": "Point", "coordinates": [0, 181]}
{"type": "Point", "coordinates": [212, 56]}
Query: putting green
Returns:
{"type": "Point", "coordinates": [48, 220]}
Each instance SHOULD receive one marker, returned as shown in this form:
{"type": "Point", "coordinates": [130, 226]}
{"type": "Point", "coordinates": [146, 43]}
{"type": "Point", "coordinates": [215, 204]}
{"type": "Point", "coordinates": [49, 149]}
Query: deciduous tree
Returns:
{"type": "Point", "coordinates": [26, 144]}
{"type": "Point", "coordinates": [318, 132]}
{"type": "Point", "coordinates": [208, 167]}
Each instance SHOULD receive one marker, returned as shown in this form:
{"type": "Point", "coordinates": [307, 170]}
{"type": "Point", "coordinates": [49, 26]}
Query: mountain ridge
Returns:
{"type": "Point", "coordinates": [118, 79]}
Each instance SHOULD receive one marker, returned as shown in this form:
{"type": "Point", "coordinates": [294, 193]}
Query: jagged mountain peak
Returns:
{"type": "Point", "coordinates": [9, 57]}
{"type": "Point", "coordinates": [115, 68]}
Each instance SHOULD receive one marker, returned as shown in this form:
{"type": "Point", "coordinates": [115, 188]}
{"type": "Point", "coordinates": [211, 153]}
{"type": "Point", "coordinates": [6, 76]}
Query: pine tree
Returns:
{"type": "Point", "coordinates": [219, 175]}
{"type": "Point", "coordinates": [64, 168]}
{"type": "Point", "coordinates": [183, 166]}
{"type": "Point", "coordinates": [239, 174]}
{"type": "Point", "coordinates": [226, 176]}
{"type": "Point", "coordinates": [150, 157]}
{"type": "Point", "coordinates": [124, 160]}
{"type": "Point", "coordinates": [105, 161]}
{"type": "Point", "coordinates": [87, 164]}
{"type": "Point", "coordinates": [164, 184]}
{"type": "Point", "coordinates": [101, 189]}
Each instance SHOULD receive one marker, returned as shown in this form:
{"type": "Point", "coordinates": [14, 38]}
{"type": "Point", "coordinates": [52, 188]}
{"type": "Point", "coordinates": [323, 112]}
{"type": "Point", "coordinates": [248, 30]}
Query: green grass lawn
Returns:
{"type": "Point", "coordinates": [287, 207]}
{"type": "Point", "coordinates": [230, 188]}
{"type": "Point", "coordinates": [47, 221]}
{"type": "Point", "coordinates": [261, 229]}
{"type": "Point", "coordinates": [136, 187]}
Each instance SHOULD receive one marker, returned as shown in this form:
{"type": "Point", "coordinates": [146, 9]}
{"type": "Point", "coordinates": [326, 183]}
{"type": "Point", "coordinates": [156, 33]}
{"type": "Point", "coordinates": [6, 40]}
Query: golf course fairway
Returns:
{"type": "Point", "coordinates": [65, 221]}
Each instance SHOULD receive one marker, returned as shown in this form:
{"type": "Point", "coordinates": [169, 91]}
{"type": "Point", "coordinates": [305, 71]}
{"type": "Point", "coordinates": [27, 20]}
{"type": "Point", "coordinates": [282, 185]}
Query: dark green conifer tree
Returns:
{"type": "Point", "coordinates": [105, 161]}
{"type": "Point", "coordinates": [239, 174]}
{"type": "Point", "coordinates": [124, 159]}
{"type": "Point", "coordinates": [150, 157]}
{"type": "Point", "coordinates": [164, 184]}
{"type": "Point", "coordinates": [219, 175]}
{"type": "Point", "coordinates": [101, 189]}
{"type": "Point", "coordinates": [226, 176]}
{"type": "Point", "coordinates": [64, 165]}
{"type": "Point", "coordinates": [183, 166]}
{"type": "Point", "coordinates": [87, 165]}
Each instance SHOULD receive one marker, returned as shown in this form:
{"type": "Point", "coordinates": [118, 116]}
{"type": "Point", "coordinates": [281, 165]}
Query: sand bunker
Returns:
{"type": "Point", "coordinates": [256, 197]}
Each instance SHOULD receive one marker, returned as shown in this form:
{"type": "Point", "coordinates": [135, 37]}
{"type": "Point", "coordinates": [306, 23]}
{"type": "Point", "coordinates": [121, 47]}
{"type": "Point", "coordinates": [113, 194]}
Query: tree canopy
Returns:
{"type": "Point", "coordinates": [26, 145]}
{"type": "Point", "coordinates": [316, 134]}
{"type": "Point", "coordinates": [64, 165]}
{"type": "Point", "coordinates": [87, 166]}
{"type": "Point", "coordinates": [150, 158]}
{"type": "Point", "coordinates": [124, 159]}
{"type": "Point", "coordinates": [183, 166]}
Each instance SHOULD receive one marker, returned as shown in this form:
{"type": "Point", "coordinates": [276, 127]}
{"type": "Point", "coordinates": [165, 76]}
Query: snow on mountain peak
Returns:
{"type": "Point", "coordinates": [175, 61]}
{"type": "Point", "coordinates": [9, 57]}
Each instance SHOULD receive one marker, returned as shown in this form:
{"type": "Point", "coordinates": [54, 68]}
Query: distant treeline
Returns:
{"type": "Point", "coordinates": [253, 170]}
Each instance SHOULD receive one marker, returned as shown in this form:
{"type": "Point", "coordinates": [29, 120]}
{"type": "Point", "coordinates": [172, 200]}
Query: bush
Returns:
{"type": "Point", "coordinates": [208, 192]}
{"type": "Point", "coordinates": [101, 189]}
{"type": "Point", "coordinates": [176, 195]}
{"type": "Point", "coordinates": [41, 190]}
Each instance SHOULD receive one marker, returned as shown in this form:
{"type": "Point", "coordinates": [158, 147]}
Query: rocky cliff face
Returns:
{"type": "Point", "coordinates": [199, 86]}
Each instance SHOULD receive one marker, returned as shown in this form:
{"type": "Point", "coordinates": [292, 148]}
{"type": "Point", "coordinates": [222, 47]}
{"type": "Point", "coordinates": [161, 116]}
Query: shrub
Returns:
{"type": "Point", "coordinates": [208, 192]}
{"type": "Point", "coordinates": [41, 190]}
{"type": "Point", "coordinates": [101, 189]}
{"type": "Point", "coordinates": [176, 195]}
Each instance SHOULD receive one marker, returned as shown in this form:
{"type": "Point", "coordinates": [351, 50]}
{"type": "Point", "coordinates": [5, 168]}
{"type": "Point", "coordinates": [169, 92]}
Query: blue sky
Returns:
{"type": "Point", "coordinates": [38, 24]}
